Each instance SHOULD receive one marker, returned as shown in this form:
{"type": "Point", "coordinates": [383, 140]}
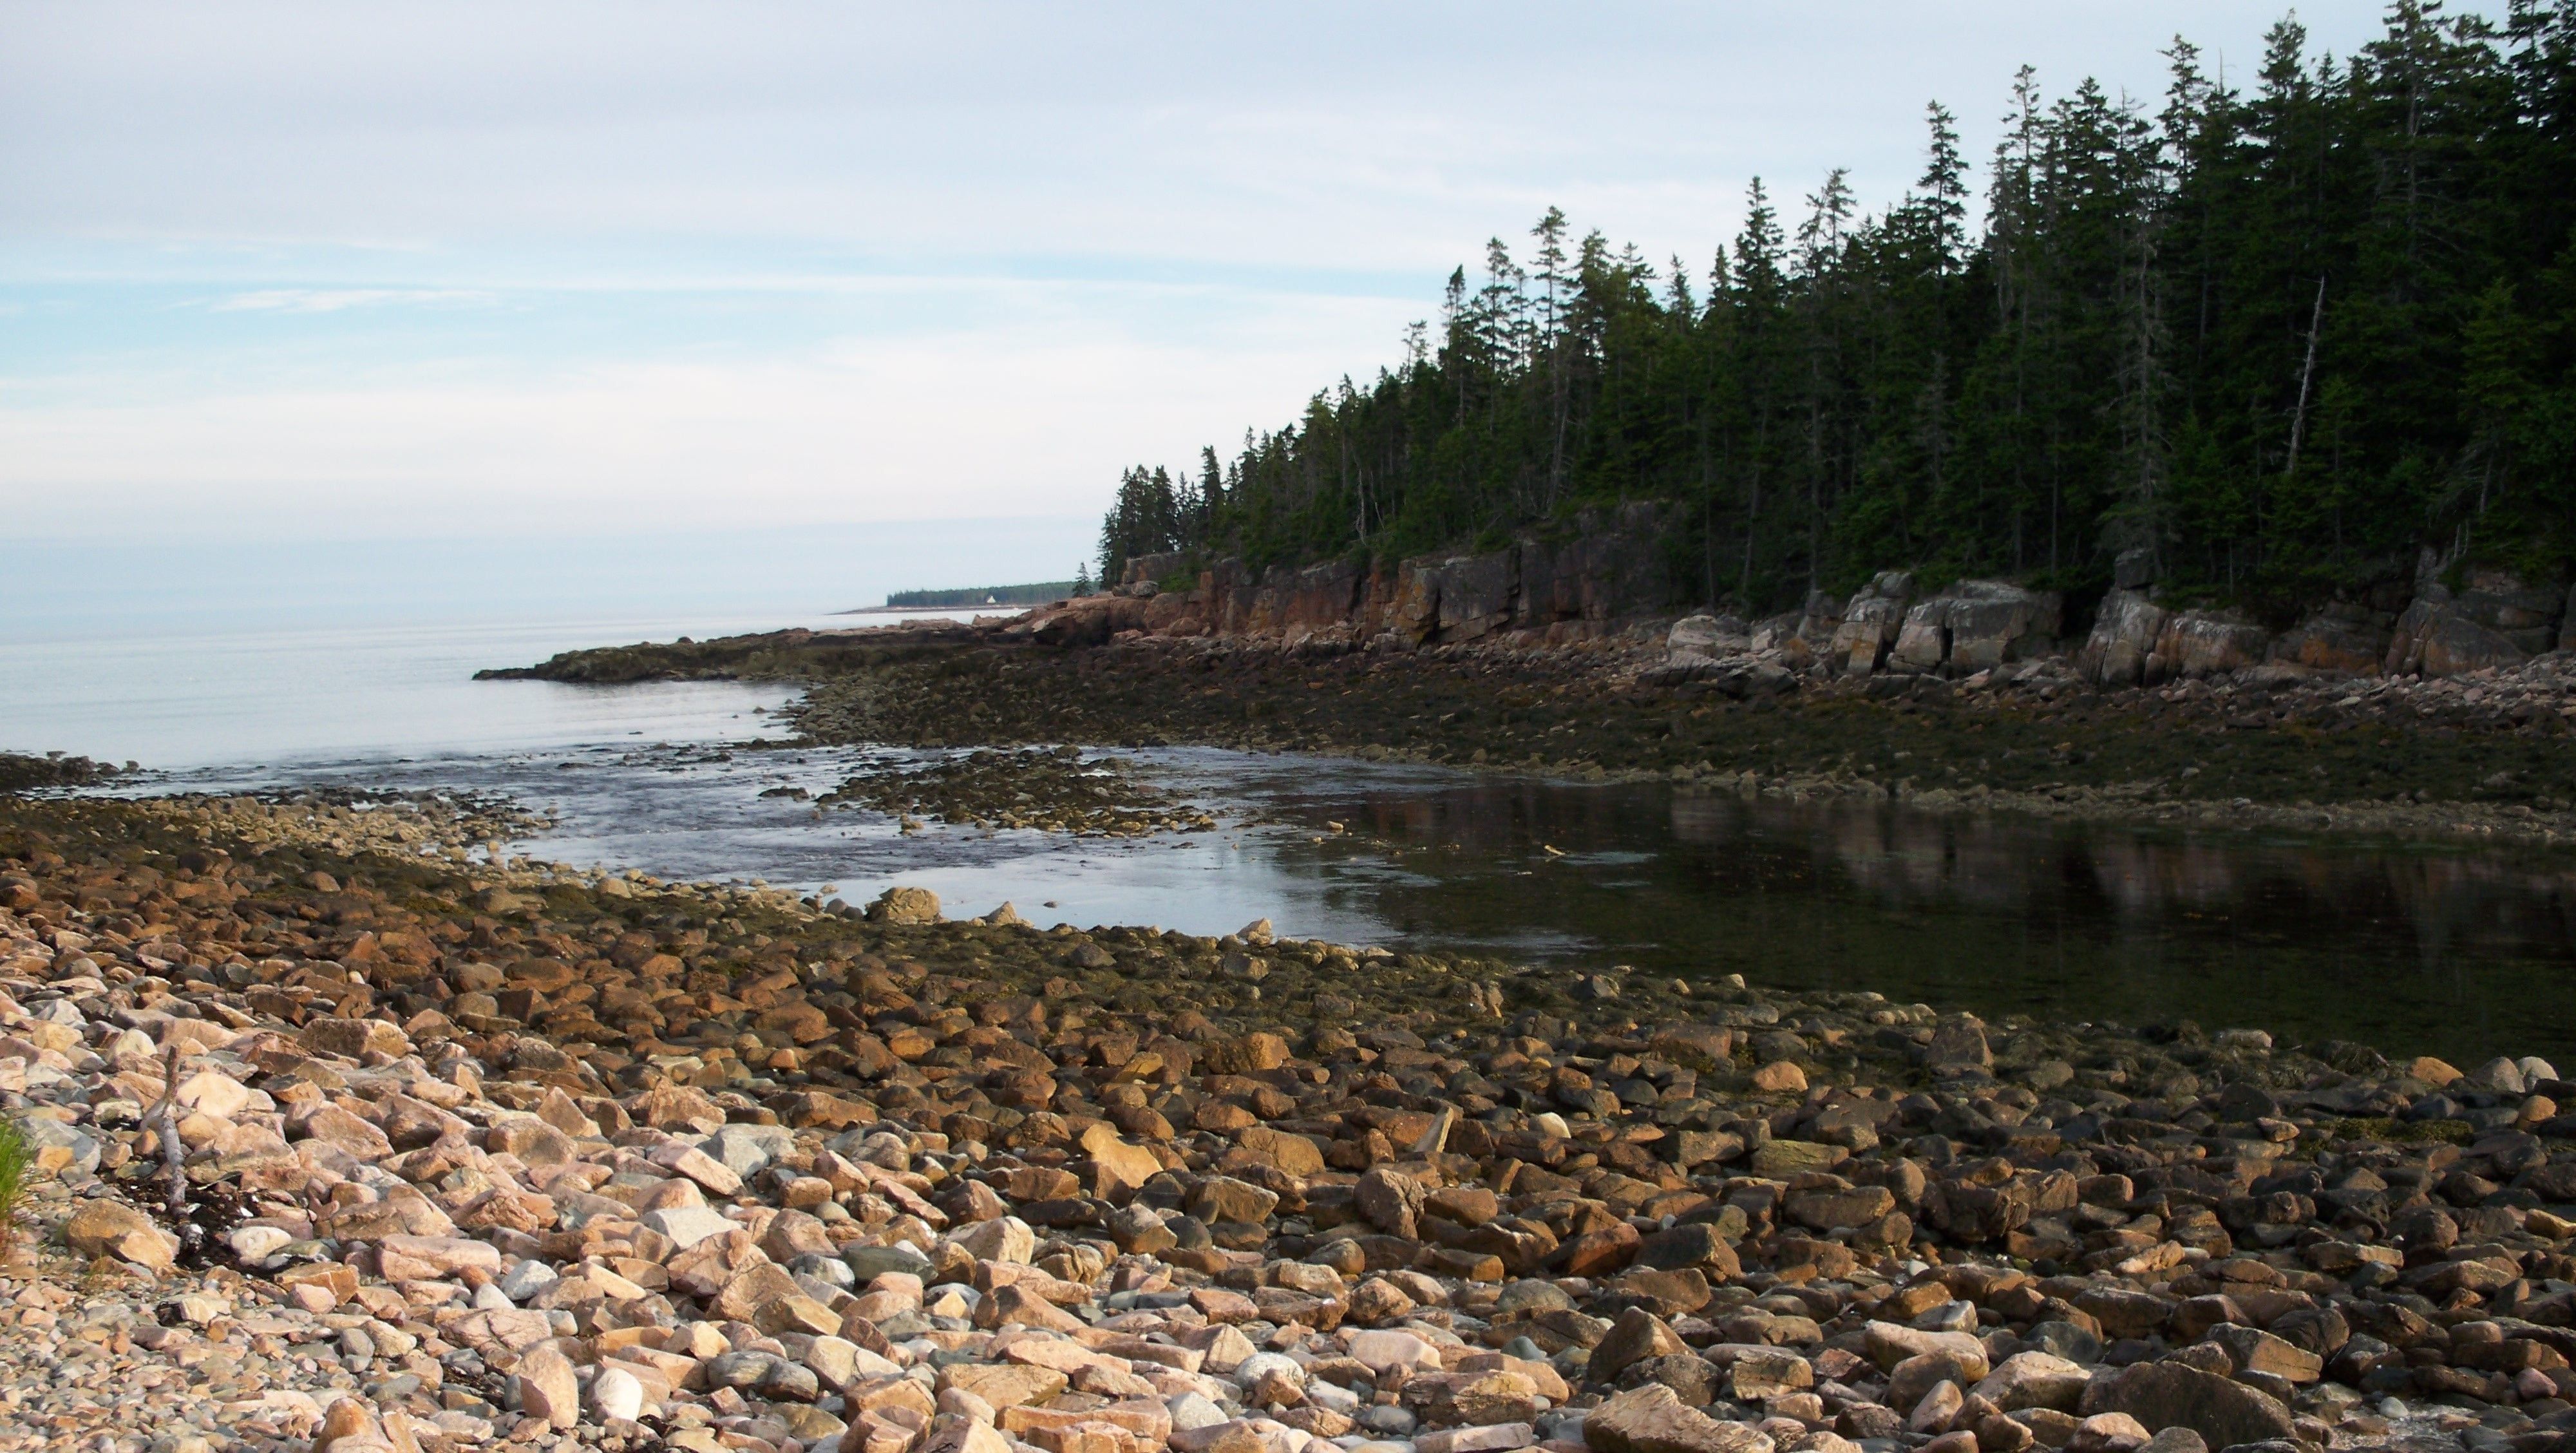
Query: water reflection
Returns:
{"type": "Point", "coordinates": [2463, 953]}
{"type": "Point", "coordinates": [2414, 947]}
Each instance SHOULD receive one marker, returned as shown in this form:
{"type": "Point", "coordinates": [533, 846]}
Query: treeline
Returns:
{"type": "Point", "coordinates": [1038, 594]}
{"type": "Point", "coordinates": [2281, 336]}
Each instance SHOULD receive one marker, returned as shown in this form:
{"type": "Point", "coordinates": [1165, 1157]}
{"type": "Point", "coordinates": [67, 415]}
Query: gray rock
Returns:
{"type": "Point", "coordinates": [1394, 1422]}
{"type": "Point", "coordinates": [2125, 631]}
{"type": "Point", "coordinates": [744, 1149]}
{"type": "Point", "coordinates": [2064, 1339]}
{"type": "Point", "coordinates": [831, 1271]}
{"type": "Point", "coordinates": [2197, 643]}
{"type": "Point", "coordinates": [1189, 1411]}
{"type": "Point", "coordinates": [45, 1134]}
{"type": "Point", "coordinates": [740, 1368]}
{"type": "Point", "coordinates": [525, 1280]}
{"type": "Point", "coordinates": [687, 1225]}
{"type": "Point", "coordinates": [2499, 1074]}
{"type": "Point", "coordinates": [867, 1263]}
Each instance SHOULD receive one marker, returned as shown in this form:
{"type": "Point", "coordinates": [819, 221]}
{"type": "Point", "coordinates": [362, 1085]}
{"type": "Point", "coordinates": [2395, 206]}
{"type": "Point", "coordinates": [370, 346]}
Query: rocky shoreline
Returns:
{"type": "Point", "coordinates": [1047, 789]}
{"type": "Point", "coordinates": [531, 1159]}
{"type": "Point", "coordinates": [2479, 759]}
{"type": "Point", "coordinates": [2483, 756]}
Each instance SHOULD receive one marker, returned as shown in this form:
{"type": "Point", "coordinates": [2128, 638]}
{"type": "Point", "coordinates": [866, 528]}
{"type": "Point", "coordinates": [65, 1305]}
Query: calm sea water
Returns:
{"type": "Point", "coordinates": [2416, 948]}
{"type": "Point", "coordinates": [298, 697]}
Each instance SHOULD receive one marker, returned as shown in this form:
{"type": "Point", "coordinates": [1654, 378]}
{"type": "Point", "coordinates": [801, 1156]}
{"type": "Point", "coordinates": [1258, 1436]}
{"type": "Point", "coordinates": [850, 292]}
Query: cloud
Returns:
{"type": "Point", "coordinates": [1028, 418]}
{"type": "Point", "coordinates": [287, 266]}
{"type": "Point", "coordinates": [341, 300]}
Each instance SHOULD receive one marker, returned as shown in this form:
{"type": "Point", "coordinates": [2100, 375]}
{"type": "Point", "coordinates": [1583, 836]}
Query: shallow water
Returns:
{"type": "Point", "coordinates": [2414, 948]}
{"type": "Point", "coordinates": [2464, 953]}
{"type": "Point", "coordinates": [185, 697]}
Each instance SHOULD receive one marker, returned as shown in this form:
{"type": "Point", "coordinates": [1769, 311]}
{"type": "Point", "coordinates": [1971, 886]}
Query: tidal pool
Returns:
{"type": "Point", "coordinates": [2415, 948]}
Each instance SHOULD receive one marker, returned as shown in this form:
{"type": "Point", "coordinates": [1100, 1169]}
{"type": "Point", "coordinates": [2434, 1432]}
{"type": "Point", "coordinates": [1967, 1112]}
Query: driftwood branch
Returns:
{"type": "Point", "coordinates": [163, 1117]}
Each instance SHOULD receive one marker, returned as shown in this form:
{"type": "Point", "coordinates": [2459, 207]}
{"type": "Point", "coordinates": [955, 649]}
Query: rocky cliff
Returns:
{"type": "Point", "coordinates": [2491, 619]}
{"type": "Point", "coordinates": [1610, 567]}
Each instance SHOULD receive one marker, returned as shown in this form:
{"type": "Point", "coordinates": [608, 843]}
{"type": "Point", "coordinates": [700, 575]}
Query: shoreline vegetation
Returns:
{"type": "Point", "coordinates": [2482, 757]}
{"type": "Point", "coordinates": [2274, 335]}
{"type": "Point", "coordinates": [476, 1155]}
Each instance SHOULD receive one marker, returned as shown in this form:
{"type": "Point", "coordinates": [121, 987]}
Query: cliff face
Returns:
{"type": "Point", "coordinates": [2496, 620]}
{"type": "Point", "coordinates": [1611, 567]}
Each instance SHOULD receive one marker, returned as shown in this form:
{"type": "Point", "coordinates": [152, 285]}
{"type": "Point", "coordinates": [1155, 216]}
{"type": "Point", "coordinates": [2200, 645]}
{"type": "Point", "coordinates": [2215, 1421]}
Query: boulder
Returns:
{"type": "Point", "coordinates": [1869, 623]}
{"type": "Point", "coordinates": [1976, 625]}
{"type": "Point", "coordinates": [354, 1038]}
{"type": "Point", "coordinates": [1890, 1343]}
{"type": "Point", "coordinates": [1706, 637]}
{"type": "Point", "coordinates": [2196, 643]}
{"type": "Point", "coordinates": [2495, 619]}
{"type": "Point", "coordinates": [617, 1394]}
{"type": "Point", "coordinates": [1922, 638]}
{"type": "Point", "coordinates": [1637, 1336]}
{"type": "Point", "coordinates": [2124, 636]}
{"type": "Point", "coordinates": [905, 906]}
{"type": "Point", "coordinates": [1654, 1419]}
{"type": "Point", "coordinates": [1992, 622]}
{"type": "Point", "coordinates": [686, 1226]}
{"type": "Point", "coordinates": [2162, 1395]}
{"type": "Point", "coordinates": [112, 1228]}
{"type": "Point", "coordinates": [2435, 638]}
{"type": "Point", "coordinates": [2034, 1380]}
{"type": "Point", "coordinates": [548, 1390]}
{"type": "Point", "coordinates": [1123, 1166]}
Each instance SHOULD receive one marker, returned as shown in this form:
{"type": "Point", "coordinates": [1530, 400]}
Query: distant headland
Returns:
{"type": "Point", "coordinates": [1042, 593]}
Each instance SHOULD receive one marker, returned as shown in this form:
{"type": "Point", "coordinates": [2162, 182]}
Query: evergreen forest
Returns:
{"type": "Point", "coordinates": [2282, 334]}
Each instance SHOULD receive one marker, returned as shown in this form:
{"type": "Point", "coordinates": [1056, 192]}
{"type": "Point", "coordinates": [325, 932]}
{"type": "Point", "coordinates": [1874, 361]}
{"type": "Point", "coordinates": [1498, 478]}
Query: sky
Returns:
{"type": "Point", "coordinates": [578, 271]}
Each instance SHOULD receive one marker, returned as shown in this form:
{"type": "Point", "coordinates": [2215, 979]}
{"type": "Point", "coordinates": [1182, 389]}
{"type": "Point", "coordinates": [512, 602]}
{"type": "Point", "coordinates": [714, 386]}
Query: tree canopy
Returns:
{"type": "Point", "coordinates": [2281, 336]}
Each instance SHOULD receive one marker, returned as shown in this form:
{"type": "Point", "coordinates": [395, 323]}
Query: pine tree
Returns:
{"type": "Point", "coordinates": [2281, 337]}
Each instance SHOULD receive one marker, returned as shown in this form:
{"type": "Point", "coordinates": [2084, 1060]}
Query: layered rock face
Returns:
{"type": "Point", "coordinates": [1612, 568]}
{"type": "Point", "coordinates": [1609, 568]}
{"type": "Point", "coordinates": [1870, 624]}
{"type": "Point", "coordinates": [1977, 625]}
{"type": "Point", "coordinates": [2497, 621]}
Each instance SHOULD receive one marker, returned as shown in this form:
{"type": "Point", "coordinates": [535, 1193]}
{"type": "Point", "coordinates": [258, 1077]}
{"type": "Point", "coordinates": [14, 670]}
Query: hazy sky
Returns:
{"type": "Point", "coordinates": [379, 269]}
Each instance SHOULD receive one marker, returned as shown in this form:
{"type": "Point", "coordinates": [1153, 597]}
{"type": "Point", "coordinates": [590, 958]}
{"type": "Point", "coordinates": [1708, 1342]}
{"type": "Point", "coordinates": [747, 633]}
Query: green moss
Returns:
{"type": "Point", "coordinates": [16, 1157]}
{"type": "Point", "coordinates": [2409, 1132]}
